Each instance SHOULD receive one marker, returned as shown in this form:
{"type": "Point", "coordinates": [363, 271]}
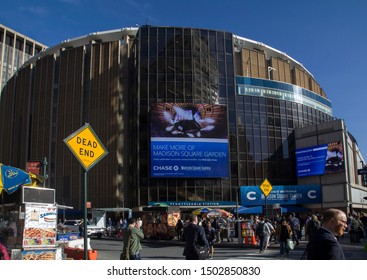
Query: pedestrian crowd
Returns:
{"type": "Point", "coordinates": [321, 231]}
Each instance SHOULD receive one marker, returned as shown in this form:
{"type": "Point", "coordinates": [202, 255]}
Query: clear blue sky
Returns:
{"type": "Point", "coordinates": [328, 37]}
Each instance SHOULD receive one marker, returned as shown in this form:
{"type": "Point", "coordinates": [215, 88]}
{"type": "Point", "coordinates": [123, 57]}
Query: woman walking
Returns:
{"type": "Point", "coordinates": [283, 232]}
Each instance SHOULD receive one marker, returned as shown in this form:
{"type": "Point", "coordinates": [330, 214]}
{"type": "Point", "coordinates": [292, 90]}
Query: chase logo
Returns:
{"type": "Point", "coordinates": [11, 173]}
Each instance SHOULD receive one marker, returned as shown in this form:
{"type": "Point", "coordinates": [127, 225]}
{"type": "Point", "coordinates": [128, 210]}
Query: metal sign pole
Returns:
{"type": "Point", "coordinates": [85, 230]}
{"type": "Point", "coordinates": [88, 155]}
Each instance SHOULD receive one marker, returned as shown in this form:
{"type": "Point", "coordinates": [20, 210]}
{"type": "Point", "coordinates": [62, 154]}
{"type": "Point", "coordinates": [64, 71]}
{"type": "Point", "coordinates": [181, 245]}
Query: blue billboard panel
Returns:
{"type": "Point", "coordinates": [320, 160]}
{"type": "Point", "coordinates": [292, 194]}
{"type": "Point", "coordinates": [311, 160]}
{"type": "Point", "coordinates": [189, 140]}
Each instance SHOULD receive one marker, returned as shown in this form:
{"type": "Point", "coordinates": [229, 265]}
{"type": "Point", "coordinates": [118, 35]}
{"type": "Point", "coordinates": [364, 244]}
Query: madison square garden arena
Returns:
{"type": "Point", "coordinates": [190, 118]}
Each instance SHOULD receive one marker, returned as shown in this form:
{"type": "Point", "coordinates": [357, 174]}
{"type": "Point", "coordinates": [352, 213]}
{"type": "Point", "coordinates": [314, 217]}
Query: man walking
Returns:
{"type": "Point", "coordinates": [131, 239]}
{"type": "Point", "coordinates": [295, 226]}
{"type": "Point", "coordinates": [193, 235]}
{"type": "Point", "coordinates": [324, 244]}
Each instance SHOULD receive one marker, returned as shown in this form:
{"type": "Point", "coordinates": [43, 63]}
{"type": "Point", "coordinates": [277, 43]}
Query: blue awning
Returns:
{"type": "Point", "coordinates": [259, 209]}
{"type": "Point", "coordinates": [249, 210]}
{"type": "Point", "coordinates": [293, 208]}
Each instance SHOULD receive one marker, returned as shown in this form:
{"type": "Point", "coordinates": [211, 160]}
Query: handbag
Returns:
{"type": "Point", "coordinates": [289, 244]}
{"type": "Point", "coordinates": [202, 252]}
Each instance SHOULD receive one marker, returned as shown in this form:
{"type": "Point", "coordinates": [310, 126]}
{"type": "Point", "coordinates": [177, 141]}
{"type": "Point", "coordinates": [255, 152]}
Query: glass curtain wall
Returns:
{"type": "Point", "coordinates": [186, 66]}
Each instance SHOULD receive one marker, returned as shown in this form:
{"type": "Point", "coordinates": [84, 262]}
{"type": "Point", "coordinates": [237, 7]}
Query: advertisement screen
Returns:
{"type": "Point", "coordinates": [189, 140]}
{"type": "Point", "coordinates": [320, 160]}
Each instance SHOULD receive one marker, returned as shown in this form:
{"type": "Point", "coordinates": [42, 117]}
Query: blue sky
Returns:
{"type": "Point", "coordinates": [328, 37]}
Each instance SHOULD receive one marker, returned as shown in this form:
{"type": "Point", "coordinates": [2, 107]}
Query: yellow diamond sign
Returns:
{"type": "Point", "coordinates": [266, 187]}
{"type": "Point", "coordinates": [86, 146]}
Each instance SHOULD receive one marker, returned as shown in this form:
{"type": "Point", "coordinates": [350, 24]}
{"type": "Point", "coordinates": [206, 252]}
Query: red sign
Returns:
{"type": "Point", "coordinates": [34, 167]}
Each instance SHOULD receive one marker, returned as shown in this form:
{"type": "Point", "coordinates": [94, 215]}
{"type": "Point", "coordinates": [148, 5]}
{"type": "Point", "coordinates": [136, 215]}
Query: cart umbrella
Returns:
{"type": "Point", "coordinates": [12, 178]}
{"type": "Point", "coordinates": [218, 213]}
{"type": "Point", "coordinates": [201, 211]}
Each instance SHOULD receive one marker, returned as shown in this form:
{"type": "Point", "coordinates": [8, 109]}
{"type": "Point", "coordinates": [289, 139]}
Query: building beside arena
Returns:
{"type": "Point", "coordinates": [15, 49]}
{"type": "Point", "coordinates": [190, 118]}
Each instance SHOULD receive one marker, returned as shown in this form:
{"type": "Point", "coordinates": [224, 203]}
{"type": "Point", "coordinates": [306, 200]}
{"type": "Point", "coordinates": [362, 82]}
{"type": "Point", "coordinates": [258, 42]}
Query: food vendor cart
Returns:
{"type": "Point", "coordinates": [159, 222]}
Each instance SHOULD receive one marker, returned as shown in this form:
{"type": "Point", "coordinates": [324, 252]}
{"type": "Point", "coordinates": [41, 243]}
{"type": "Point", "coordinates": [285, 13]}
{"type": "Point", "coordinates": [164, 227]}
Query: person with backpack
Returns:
{"type": "Point", "coordinates": [312, 226]}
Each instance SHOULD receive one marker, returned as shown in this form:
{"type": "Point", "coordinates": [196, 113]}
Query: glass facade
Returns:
{"type": "Point", "coordinates": [189, 66]}
{"type": "Point", "coordinates": [196, 66]}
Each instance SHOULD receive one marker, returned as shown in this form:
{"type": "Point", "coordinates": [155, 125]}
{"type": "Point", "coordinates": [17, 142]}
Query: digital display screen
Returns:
{"type": "Point", "coordinates": [320, 160]}
{"type": "Point", "coordinates": [189, 140]}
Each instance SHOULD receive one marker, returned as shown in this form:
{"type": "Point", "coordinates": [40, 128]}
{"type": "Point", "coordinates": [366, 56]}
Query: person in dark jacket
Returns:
{"type": "Point", "coordinates": [283, 232]}
{"type": "Point", "coordinates": [324, 244]}
{"type": "Point", "coordinates": [210, 236]}
{"type": "Point", "coordinates": [189, 237]}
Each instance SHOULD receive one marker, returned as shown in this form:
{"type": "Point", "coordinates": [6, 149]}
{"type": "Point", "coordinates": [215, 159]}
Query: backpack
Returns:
{"type": "Point", "coordinates": [260, 229]}
{"type": "Point", "coordinates": [313, 226]}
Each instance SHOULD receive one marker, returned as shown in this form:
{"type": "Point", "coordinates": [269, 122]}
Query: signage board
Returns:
{"type": "Point", "coordinates": [86, 146]}
{"type": "Point", "coordinates": [34, 167]}
{"type": "Point", "coordinates": [189, 140]}
{"type": "Point", "coordinates": [320, 160]}
{"type": "Point", "coordinates": [266, 187]}
{"type": "Point", "coordinates": [284, 195]}
{"type": "Point", "coordinates": [38, 195]}
{"type": "Point", "coordinates": [362, 171]}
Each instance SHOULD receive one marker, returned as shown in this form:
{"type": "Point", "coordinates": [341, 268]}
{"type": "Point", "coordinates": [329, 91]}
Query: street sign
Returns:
{"type": "Point", "coordinates": [266, 187]}
{"type": "Point", "coordinates": [362, 171]}
{"type": "Point", "coordinates": [86, 146]}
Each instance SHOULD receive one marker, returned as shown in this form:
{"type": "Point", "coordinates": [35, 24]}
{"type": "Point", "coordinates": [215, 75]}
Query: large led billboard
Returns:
{"type": "Point", "coordinates": [320, 160]}
{"type": "Point", "coordinates": [189, 140]}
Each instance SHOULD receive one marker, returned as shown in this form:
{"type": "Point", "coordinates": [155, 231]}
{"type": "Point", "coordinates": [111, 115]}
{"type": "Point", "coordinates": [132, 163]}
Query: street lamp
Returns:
{"type": "Point", "coordinates": [269, 70]}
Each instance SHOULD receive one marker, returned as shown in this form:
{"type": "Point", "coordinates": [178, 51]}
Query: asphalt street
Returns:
{"type": "Point", "coordinates": [110, 249]}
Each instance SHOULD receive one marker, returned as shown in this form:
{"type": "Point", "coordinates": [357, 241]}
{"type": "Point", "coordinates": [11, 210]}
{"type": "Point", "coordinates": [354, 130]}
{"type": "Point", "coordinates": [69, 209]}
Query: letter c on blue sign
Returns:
{"type": "Point", "coordinates": [311, 194]}
{"type": "Point", "coordinates": [251, 195]}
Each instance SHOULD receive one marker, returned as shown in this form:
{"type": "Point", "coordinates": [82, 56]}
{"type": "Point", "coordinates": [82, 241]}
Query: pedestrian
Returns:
{"type": "Point", "coordinates": [324, 244]}
{"type": "Point", "coordinates": [110, 230]}
{"type": "Point", "coordinates": [295, 226]}
{"type": "Point", "coordinates": [179, 229]}
{"type": "Point", "coordinates": [283, 232]}
{"type": "Point", "coordinates": [131, 238]}
{"type": "Point", "coordinates": [260, 234]}
{"type": "Point", "coordinates": [81, 227]}
{"type": "Point", "coordinates": [364, 222]}
{"type": "Point", "coordinates": [312, 226]}
{"type": "Point", "coordinates": [268, 231]}
{"type": "Point", "coordinates": [4, 255]}
{"type": "Point", "coordinates": [193, 235]}
{"type": "Point", "coordinates": [210, 236]}
{"type": "Point", "coordinates": [216, 226]}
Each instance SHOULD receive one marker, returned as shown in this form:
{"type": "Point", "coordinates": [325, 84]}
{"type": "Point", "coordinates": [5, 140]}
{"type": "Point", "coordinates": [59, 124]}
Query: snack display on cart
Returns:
{"type": "Point", "coordinates": [39, 255]}
{"type": "Point", "coordinates": [40, 226]}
